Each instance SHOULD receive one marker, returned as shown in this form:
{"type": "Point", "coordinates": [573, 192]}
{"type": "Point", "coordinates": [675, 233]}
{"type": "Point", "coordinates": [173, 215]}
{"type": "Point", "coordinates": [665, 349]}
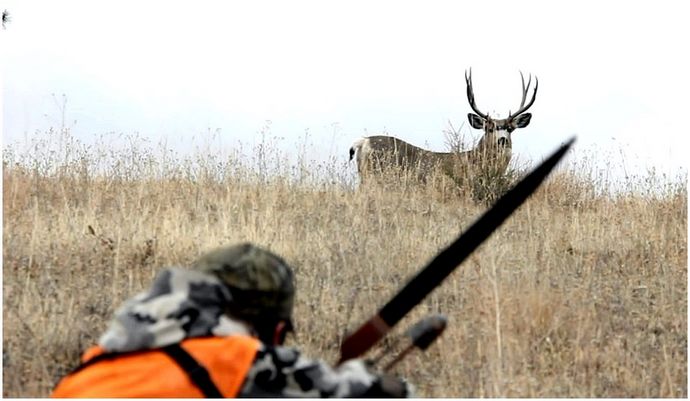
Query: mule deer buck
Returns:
{"type": "Point", "coordinates": [380, 154]}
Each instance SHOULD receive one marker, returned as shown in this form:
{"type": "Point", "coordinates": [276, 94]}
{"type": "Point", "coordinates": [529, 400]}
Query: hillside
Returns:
{"type": "Point", "coordinates": [580, 294]}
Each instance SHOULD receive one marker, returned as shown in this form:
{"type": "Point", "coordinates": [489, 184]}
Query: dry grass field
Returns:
{"type": "Point", "coordinates": [581, 293]}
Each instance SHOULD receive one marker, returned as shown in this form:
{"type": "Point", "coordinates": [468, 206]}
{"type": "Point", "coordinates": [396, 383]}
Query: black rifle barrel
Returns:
{"type": "Point", "coordinates": [447, 260]}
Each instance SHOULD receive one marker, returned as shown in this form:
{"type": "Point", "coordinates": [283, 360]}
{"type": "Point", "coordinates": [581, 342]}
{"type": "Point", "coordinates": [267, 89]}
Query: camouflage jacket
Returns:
{"type": "Point", "coordinates": [283, 372]}
{"type": "Point", "coordinates": [163, 315]}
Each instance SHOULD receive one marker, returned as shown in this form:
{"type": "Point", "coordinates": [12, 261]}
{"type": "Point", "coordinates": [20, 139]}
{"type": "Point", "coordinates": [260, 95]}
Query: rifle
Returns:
{"type": "Point", "coordinates": [420, 336]}
{"type": "Point", "coordinates": [433, 274]}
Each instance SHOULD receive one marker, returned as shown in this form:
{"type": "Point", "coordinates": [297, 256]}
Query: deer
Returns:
{"type": "Point", "coordinates": [380, 154]}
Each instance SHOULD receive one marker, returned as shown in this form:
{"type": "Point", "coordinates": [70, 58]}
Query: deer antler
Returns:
{"type": "Point", "coordinates": [522, 109]}
{"type": "Point", "coordinates": [470, 95]}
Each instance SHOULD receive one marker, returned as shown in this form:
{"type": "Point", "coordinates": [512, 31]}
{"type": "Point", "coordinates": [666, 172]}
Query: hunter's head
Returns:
{"type": "Point", "coordinates": [262, 287]}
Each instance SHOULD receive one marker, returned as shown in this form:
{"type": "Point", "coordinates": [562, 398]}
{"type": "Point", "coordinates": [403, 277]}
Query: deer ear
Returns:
{"type": "Point", "coordinates": [475, 121]}
{"type": "Point", "coordinates": [523, 120]}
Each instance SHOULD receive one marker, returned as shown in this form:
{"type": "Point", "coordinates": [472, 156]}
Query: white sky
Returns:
{"type": "Point", "coordinates": [615, 74]}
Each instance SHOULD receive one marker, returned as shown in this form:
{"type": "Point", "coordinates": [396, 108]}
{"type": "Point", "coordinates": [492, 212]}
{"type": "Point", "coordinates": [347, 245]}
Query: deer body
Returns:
{"type": "Point", "coordinates": [376, 155]}
{"type": "Point", "coordinates": [380, 154]}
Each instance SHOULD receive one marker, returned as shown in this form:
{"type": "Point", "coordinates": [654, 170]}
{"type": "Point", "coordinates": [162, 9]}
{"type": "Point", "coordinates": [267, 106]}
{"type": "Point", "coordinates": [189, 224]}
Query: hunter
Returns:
{"type": "Point", "coordinates": [216, 330]}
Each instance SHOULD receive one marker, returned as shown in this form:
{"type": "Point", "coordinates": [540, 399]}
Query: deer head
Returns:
{"type": "Point", "coordinates": [497, 132]}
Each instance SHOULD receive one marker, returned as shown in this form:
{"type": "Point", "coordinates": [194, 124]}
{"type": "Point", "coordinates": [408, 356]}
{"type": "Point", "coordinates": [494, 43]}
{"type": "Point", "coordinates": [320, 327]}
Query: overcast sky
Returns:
{"type": "Point", "coordinates": [614, 74]}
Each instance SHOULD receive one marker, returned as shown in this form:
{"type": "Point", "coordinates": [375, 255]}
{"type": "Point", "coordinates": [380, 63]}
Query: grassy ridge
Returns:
{"type": "Point", "coordinates": [580, 294]}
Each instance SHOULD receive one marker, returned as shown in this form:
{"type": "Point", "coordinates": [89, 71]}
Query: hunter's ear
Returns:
{"type": "Point", "coordinates": [475, 121]}
{"type": "Point", "coordinates": [522, 120]}
{"type": "Point", "coordinates": [279, 333]}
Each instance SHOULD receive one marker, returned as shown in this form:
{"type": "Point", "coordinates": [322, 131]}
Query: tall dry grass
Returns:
{"type": "Point", "coordinates": [580, 294]}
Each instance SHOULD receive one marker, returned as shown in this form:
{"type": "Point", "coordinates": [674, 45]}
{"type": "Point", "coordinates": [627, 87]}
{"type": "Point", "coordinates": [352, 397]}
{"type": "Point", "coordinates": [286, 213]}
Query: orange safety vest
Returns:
{"type": "Point", "coordinates": [177, 371]}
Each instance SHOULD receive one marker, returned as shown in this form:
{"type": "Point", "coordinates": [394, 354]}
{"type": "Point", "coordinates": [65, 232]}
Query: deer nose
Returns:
{"type": "Point", "coordinates": [502, 142]}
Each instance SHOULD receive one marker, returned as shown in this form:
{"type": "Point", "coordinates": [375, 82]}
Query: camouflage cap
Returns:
{"type": "Point", "coordinates": [261, 283]}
